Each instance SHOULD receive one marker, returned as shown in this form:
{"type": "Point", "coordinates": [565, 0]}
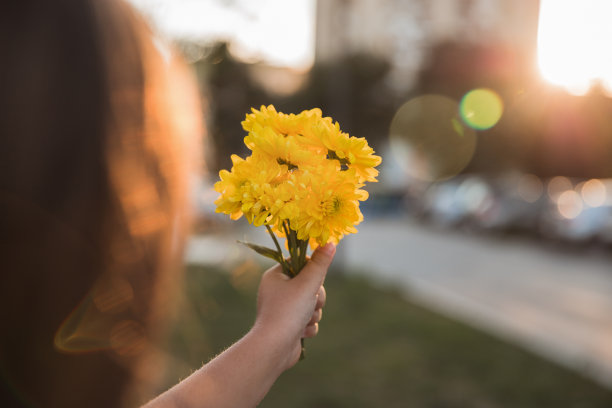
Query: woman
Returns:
{"type": "Point", "coordinates": [98, 125]}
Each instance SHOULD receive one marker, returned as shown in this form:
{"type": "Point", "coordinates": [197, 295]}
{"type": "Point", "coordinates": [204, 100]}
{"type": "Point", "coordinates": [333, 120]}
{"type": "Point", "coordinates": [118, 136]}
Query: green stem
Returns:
{"type": "Point", "coordinates": [295, 258]}
{"type": "Point", "coordinates": [289, 237]}
{"type": "Point", "coordinates": [303, 251]}
{"type": "Point", "coordinates": [280, 252]}
{"type": "Point", "coordinates": [297, 251]}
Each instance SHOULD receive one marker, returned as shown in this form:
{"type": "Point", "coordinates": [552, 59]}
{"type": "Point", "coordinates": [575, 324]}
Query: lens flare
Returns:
{"type": "Point", "coordinates": [429, 139]}
{"type": "Point", "coordinates": [112, 294]}
{"type": "Point", "coordinates": [86, 329]}
{"type": "Point", "coordinates": [89, 325]}
{"type": "Point", "coordinates": [481, 108]}
{"type": "Point", "coordinates": [127, 338]}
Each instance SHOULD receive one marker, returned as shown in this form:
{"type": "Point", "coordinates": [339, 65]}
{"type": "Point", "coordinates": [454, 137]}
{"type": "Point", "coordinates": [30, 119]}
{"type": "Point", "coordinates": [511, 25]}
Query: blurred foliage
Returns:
{"type": "Point", "coordinates": [455, 68]}
{"type": "Point", "coordinates": [375, 349]}
{"type": "Point", "coordinates": [351, 91]}
{"type": "Point", "coordinates": [232, 93]}
{"type": "Point", "coordinates": [544, 130]}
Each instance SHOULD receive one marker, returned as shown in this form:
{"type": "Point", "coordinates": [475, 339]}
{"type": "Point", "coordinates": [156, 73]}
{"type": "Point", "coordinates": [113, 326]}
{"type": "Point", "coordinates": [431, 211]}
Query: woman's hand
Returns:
{"type": "Point", "coordinates": [290, 309]}
{"type": "Point", "coordinates": [287, 310]}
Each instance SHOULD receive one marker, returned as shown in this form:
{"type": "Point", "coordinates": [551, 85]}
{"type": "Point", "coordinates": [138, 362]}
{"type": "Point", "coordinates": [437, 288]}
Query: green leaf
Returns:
{"type": "Point", "coordinates": [265, 251]}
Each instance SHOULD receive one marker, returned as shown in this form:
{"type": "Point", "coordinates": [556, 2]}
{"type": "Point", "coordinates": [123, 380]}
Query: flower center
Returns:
{"type": "Point", "coordinates": [331, 155]}
{"type": "Point", "coordinates": [287, 163]}
{"type": "Point", "coordinates": [331, 207]}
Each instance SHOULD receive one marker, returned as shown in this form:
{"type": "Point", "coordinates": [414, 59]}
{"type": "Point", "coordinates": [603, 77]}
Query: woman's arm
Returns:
{"type": "Point", "coordinates": [287, 310]}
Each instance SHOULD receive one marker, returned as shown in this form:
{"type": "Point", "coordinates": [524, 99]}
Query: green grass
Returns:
{"type": "Point", "coordinates": [375, 349]}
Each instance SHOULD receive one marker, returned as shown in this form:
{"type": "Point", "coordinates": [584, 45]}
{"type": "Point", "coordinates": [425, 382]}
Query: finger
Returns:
{"type": "Point", "coordinates": [275, 272]}
{"type": "Point", "coordinates": [315, 270]}
{"type": "Point", "coordinates": [316, 317]}
{"type": "Point", "coordinates": [321, 298]}
{"type": "Point", "coordinates": [323, 255]}
{"type": "Point", "coordinates": [311, 330]}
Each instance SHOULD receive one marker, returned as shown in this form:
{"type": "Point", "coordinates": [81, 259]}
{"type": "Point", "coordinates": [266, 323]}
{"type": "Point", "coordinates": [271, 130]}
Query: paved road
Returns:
{"type": "Point", "coordinates": [553, 302]}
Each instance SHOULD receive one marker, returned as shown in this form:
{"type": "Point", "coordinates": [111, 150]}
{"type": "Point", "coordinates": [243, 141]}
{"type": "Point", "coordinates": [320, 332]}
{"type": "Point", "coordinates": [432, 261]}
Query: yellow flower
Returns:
{"type": "Point", "coordinates": [304, 177]}
{"type": "Point", "coordinates": [302, 181]}
{"type": "Point", "coordinates": [243, 187]}
{"type": "Point", "coordinates": [360, 157]}
{"type": "Point", "coordinates": [280, 203]}
{"type": "Point", "coordinates": [328, 203]}
{"type": "Point", "coordinates": [285, 150]}
{"type": "Point", "coordinates": [351, 152]}
{"type": "Point", "coordinates": [230, 185]}
{"type": "Point", "coordinates": [281, 123]}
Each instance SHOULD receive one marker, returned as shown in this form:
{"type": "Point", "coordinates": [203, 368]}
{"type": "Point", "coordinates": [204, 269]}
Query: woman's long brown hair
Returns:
{"type": "Point", "coordinates": [92, 200]}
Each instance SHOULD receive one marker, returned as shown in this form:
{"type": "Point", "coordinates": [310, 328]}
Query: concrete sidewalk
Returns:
{"type": "Point", "coordinates": [556, 304]}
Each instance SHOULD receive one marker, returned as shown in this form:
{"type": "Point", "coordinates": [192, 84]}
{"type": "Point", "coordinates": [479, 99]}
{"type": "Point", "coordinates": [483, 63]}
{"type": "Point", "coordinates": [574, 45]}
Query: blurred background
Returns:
{"type": "Point", "coordinates": [482, 273]}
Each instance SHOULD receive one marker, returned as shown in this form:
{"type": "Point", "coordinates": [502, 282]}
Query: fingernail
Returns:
{"type": "Point", "coordinates": [328, 248]}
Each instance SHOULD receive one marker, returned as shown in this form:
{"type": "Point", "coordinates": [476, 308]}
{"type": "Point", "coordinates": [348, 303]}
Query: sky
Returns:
{"type": "Point", "coordinates": [574, 43]}
{"type": "Point", "coordinates": [278, 32]}
{"type": "Point", "coordinates": [572, 37]}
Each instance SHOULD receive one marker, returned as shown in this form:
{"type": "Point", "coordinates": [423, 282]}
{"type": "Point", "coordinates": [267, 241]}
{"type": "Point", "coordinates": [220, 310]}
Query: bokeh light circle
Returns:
{"type": "Point", "coordinates": [429, 139]}
{"type": "Point", "coordinates": [558, 185]}
{"type": "Point", "coordinates": [530, 188]}
{"type": "Point", "coordinates": [594, 193]}
{"type": "Point", "coordinates": [569, 204]}
{"type": "Point", "coordinates": [481, 108]}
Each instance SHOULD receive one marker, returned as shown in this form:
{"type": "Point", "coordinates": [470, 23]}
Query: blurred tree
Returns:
{"type": "Point", "coordinates": [544, 130]}
{"type": "Point", "coordinates": [232, 93]}
{"type": "Point", "coordinates": [453, 69]}
{"type": "Point", "coordinates": [353, 91]}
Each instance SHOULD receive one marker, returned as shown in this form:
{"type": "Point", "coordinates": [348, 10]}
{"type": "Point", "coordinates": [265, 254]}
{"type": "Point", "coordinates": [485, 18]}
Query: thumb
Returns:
{"type": "Point", "coordinates": [315, 270]}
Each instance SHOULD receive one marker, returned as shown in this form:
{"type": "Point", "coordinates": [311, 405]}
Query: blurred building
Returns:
{"type": "Point", "coordinates": [403, 31]}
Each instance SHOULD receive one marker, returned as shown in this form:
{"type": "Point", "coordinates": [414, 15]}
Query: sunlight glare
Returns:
{"type": "Point", "coordinates": [573, 38]}
{"type": "Point", "coordinates": [280, 33]}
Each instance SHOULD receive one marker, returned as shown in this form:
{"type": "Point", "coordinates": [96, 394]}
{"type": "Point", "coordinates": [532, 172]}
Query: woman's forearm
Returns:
{"type": "Point", "coordinates": [287, 310]}
{"type": "Point", "coordinates": [238, 377]}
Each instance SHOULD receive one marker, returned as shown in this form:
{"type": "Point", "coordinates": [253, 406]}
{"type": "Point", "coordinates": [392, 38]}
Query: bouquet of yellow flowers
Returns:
{"type": "Point", "coordinates": [303, 181]}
